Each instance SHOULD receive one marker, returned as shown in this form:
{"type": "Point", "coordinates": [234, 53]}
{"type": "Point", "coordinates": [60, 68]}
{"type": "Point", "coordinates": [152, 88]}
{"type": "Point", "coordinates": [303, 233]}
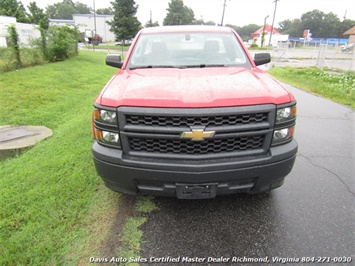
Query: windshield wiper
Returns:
{"type": "Point", "coordinates": [180, 67]}
{"type": "Point", "coordinates": [151, 66]}
{"type": "Point", "coordinates": [204, 65]}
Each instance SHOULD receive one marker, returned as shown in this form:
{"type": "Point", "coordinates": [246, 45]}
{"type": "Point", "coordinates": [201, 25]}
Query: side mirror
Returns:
{"type": "Point", "coordinates": [262, 58]}
{"type": "Point", "coordinates": [114, 60]}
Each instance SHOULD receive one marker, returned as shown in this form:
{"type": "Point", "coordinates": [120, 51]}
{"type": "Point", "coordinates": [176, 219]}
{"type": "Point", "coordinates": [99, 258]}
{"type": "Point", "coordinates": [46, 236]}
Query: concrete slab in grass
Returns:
{"type": "Point", "coordinates": [14, 139]}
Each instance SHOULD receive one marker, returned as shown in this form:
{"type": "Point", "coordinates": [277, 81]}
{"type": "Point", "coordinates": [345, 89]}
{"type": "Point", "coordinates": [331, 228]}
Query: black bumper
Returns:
{"type": "Point", "coordinates": [253, 174]}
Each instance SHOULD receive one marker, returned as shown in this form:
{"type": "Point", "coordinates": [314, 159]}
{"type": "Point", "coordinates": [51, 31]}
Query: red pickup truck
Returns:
{"type": "Point", "coordinates": [190, 115]}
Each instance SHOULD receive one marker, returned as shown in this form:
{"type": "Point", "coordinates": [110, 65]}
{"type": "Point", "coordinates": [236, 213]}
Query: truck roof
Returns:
{"type": "Point", "coordinates": [187, 28]}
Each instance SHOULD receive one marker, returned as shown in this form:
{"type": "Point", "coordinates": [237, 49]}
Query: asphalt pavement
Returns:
{"type": "Point", "coordinates": [310, 217]}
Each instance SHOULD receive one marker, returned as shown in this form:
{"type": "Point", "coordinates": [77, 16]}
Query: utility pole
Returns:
{"type": "Point", "coordinates": [150, 19]}
{"type": "Point", "coordinates": [224, 8]}
{"type": "Point", "coordinates": [273, 21]}
{"type": "Point", "coordinates": [342, 27]}
{"type": "Point", "coordinates": [94, 37]}
{"type": "Point", "coordinates": [263, 33]}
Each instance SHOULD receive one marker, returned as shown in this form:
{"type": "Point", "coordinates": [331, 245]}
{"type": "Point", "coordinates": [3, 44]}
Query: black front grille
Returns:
{"type": "Point", "coordinates": [182, 146]}
{"type": "Point", "coordinates": [188, 121]}
{"type": "Point", "coordinates": [155, 132]}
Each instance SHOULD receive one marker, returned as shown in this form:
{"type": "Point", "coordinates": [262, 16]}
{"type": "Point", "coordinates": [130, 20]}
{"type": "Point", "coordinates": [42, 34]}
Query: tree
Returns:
{"type": "Point", "coordinates": [210, 22]}
{"type": "Point", "coordinates": [82, 8]}
{"type": "Point", "coordinates": [69, 2]}
{"type": "Point", "coordinates": [150, 24]}
{"type": "Point", "coordinates": [104, 11]}
{"type": "Point", "coordinates": [35, 14]}
{"type": "Point", "coordinates": [202, 22]}
{"type": "Point", "coordinates": [291, 27]}
{"type": "Point", "coordinates": [125, 24]}
{"type": "Point", "coordinates": [13, 8]}
{"type": "Point", "coordinates": [66, 9]}
{"type": "Point", "coordinates": [179, 14]}
{"type": "Point", "coordinates": [285, 25]}
{"type": "Point", "coordinates": [321, 25]}
{"type": "Point", "coordinates": [14, 39]}
{"type": "Point", "coordinates": [61, 10]}
{"type": "Point", "coordinates": [245, 31]}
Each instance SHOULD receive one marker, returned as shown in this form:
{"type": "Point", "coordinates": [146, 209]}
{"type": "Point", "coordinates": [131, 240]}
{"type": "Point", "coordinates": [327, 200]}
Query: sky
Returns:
{"type": "Point", "coordinates": [237, 12]}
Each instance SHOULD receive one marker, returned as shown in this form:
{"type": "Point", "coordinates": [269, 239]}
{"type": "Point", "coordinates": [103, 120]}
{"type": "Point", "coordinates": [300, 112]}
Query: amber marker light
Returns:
{"type": "Point", "coordinates": [294, 111]}
{"type": "Point", "coordinates": [98, 134]}
{"type": "Point", "coordinates": [97, 114]}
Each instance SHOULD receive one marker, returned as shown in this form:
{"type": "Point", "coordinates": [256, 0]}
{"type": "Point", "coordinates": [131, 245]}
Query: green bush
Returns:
{"type": "Point", "coordinates": [6, 62]}
{"type": "Point", "coordinates": [42, 42]}
{"type": "Point", "coordinates": [28, 56]}
{"type": "Point", "coordinates": [62, 43]}
{"type": "Point", "coordinates": [55, 44]}
{"type": "Point", "coordinates": [32, 57]}
{"type": "Point", "coordinates": [254, 45]}
{"type": "Point", "coordinates": [14, 41]}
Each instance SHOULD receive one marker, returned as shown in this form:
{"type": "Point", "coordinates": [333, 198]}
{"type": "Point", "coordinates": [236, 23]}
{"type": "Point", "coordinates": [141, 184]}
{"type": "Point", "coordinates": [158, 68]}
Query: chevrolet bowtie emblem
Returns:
{"type": "Point", "coordinates": [197, 135]}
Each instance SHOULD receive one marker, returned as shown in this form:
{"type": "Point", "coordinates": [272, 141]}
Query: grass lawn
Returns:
{"type": "Point", "coordinates": [114, 47]}
{"type": "Point", "coordinates": [108, 47]}
{"type": "Point", "coordinates": [53, 204]}
{"type": "Point", "coordinates": [338, 87]}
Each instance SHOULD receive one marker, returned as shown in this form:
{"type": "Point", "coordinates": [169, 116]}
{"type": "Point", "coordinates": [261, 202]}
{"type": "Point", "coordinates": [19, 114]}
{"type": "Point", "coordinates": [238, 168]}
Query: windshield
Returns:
{"type": "Point", "coordinates": [183, 50]}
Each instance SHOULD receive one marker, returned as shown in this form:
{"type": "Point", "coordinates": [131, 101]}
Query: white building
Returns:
{"type": "Point", "coordinates": [269, 39]}
{"type": "Point", "coordinates": [26, 32]}
{"type": "Point", "coordinates": [86, 23]}
{"type": "Point", "coordinates": [60, 22]}
{"type": "Point", "coordinates": [5, 22]}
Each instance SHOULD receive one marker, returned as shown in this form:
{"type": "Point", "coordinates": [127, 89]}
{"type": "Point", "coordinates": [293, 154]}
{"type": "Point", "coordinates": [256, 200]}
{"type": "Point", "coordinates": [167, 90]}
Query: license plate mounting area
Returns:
{"type": "Point", "coordinates": [196, 191]}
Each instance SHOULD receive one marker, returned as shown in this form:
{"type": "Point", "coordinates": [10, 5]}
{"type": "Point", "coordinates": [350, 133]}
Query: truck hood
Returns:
{"type": "Point", "coordinates": [191, 87]}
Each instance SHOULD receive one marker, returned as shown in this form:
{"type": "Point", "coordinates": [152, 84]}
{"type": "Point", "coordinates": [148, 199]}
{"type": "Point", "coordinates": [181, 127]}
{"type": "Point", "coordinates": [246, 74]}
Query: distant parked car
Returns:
{"type": "Point", "coordinates": [98, 38]}
{"type": "Point", "coordinates": [88, 38]}
{"type": "Point", "coordinates": [124, 42]}
{"type": "Point", "coordinates": [347, 47]}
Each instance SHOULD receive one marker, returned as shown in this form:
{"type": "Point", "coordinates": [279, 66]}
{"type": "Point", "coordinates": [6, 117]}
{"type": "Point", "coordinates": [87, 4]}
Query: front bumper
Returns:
{"type": "Point", "coordinates": [134, 175]}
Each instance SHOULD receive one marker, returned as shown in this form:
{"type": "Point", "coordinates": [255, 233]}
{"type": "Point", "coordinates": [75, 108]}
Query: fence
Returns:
{"type": "Point", "coordinates": [335, 57]}
{"type": "Point", "coordinates": [323, 55]}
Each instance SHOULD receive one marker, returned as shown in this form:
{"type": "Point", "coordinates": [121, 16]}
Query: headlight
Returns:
{"type": "Point", "coordinates": [281, 135]}
{"type": "Point", "coordinates": [107, 137]}
{"type": "Point", "coordinates": [105, 127]}
{"type": "Point", "coordinates": [285, 114]}
{"type": "Point", "coordinates": [285, 125]}
{"type": "Point", "coordinates": [108, 116]}
{"type": "Point", "coordinates": [105, 116]}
